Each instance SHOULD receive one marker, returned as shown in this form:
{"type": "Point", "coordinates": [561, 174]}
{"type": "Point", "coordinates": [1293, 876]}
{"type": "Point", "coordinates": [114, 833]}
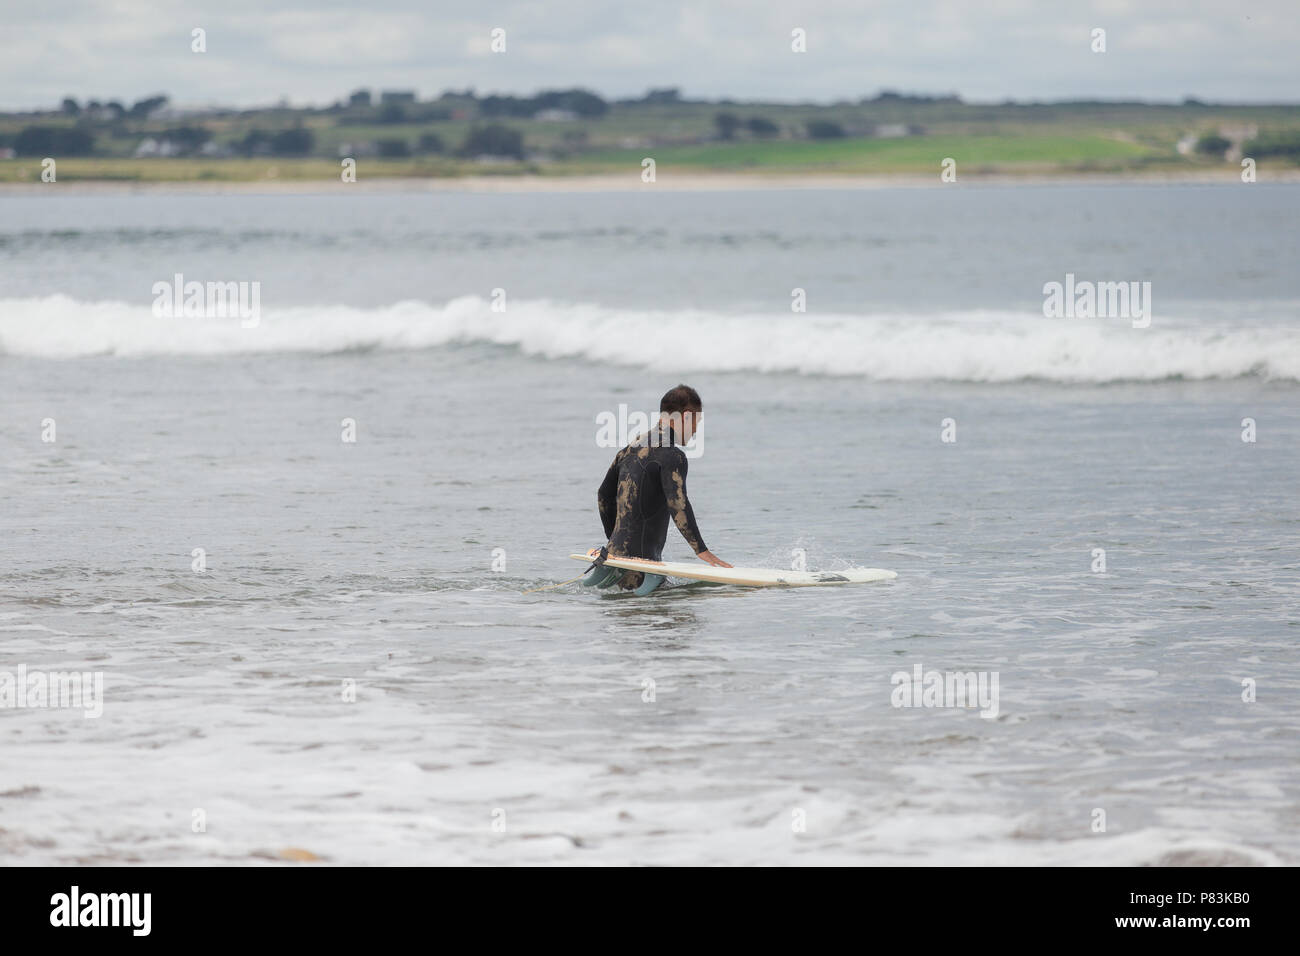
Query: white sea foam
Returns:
{"type": "Point", "coordinates": [984, 346]}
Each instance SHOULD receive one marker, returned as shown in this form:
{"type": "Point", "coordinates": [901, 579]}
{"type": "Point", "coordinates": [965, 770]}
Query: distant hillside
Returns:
{"type": "Point", "coordinates": [394, 133]}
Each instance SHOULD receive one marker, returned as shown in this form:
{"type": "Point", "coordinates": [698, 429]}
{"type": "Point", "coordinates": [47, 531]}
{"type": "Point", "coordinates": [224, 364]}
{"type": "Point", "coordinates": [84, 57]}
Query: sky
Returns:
{"type": "Point", "coordinates": [262, 51]}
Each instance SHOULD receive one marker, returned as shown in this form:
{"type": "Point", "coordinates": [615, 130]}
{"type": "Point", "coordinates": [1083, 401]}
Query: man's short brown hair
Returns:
{"type": "Point", "coordinates": [681, 399]}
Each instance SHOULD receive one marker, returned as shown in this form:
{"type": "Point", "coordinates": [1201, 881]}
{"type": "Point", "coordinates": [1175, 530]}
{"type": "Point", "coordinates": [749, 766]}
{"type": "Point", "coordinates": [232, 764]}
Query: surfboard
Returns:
{"type": "Point", "coordinates": [746, 577]}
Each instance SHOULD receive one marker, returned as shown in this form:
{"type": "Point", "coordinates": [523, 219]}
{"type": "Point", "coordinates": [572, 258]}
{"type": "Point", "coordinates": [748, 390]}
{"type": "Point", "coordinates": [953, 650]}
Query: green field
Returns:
{"type": "Point", "coordinates": [918, 154]}
{"type": "Point", "coordinates": [225, 170]}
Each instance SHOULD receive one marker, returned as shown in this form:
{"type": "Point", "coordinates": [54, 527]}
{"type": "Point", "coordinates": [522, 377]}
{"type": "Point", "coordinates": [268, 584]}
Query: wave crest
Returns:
{"type": "Point", "coordinates": [948, 346]}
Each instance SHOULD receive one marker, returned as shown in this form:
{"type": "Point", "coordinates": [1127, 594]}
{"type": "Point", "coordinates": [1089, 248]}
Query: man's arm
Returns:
{"type": "Point", "coordinates": [673, 478]}
{"type": "Point", "coordinates": [607, 497]}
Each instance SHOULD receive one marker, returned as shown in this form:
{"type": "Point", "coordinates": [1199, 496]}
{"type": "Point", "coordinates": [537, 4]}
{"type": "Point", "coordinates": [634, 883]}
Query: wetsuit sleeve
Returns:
{"type": "Point", "coordinates": [607, 497]}
{"type": "Point", "coordinates": [679, 506]}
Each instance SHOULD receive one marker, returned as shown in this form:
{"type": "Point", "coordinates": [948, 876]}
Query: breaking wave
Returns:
{"type": "Point", "coordinates": [983, 346]}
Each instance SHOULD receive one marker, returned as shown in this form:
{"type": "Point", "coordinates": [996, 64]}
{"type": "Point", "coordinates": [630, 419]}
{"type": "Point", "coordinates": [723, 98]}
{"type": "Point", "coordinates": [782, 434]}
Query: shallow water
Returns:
{"type": "Point", "coordinates": [476, 703]}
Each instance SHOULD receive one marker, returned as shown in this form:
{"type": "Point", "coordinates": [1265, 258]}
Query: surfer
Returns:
{"type": "Point", "coordinates": [645, 484]}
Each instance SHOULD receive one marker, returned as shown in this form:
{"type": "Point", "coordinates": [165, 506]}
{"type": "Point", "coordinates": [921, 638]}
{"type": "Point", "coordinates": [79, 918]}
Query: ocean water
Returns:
{"type": "Point", "coordinates": [1146, 713]}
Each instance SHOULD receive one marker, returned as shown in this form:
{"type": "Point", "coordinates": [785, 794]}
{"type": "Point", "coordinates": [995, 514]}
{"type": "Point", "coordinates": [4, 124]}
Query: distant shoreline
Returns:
{"type": "Point", "coordinates": [668, 181]}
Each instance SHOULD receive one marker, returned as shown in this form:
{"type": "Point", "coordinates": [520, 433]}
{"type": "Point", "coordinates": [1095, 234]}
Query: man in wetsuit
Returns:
{"type": "Point", "coordinates": [645, 484]}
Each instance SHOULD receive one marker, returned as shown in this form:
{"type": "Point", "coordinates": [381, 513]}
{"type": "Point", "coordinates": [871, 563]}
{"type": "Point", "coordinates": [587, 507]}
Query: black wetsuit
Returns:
{"type": "Point", "coordinates": [645, 484]}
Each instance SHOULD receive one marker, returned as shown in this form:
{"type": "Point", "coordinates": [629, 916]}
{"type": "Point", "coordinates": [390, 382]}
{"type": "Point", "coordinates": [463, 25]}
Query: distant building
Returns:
{"type": "Point", "coordinates": [897, 130]}
{"type": "Point", "coordinates": [172, 114]}
{"type": "Point", "coordinates": [670, 94]}
{"type": "Point", "coordinates": [397, 96]}
{"type": "Point", "coordinates": [555, 116]}
{"type": "Point", "coordinates": [6, 152]}
{"type": "Point", "coordinates": [150, 147]}
{"type": "Point", "coordinates": [359, 98]}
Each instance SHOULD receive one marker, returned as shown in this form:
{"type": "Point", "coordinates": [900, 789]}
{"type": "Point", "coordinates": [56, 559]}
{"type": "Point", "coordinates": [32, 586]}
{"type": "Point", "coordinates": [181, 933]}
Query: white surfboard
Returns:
{"type": "Point", "coordinates": [746, 577]}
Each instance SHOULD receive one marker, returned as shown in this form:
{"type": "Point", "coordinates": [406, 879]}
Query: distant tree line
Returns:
{"type": "Point", "coordinates": [490, 140]}
{"type": "Point", "coordinates": [824, 129]}
{"type": "Point", "coordinates": [43, 141]}
{"type": "Point", "coordinates": [890, 96]}
{"type": "Point", "coordinates": [140, 109]}
{"type": "Point", "coordinates": [295, 141]}
{"type": "Point", "coordinates": [75, 134]}
{"type": "Point", "coordinates": [1213, 145]}
{"type": "Point", "coordinates": [728, 124]}
{"type": "Point", "coordinates": [493, 140]}
{"type": "Point", "coordinates": [1285, 143]}
{"type": "Point", "coordinates": [427, 144]}
{"type": "Point", "coordinates": [580, 102]}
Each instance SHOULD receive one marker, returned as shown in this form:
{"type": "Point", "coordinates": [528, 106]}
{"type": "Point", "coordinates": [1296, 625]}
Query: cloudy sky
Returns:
{"type": "Point", "coordinates": [259, 51]}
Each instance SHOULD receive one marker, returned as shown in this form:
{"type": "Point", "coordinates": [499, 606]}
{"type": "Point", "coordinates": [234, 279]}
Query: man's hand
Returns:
{"type": "Point", "coordinates": [712, 559]}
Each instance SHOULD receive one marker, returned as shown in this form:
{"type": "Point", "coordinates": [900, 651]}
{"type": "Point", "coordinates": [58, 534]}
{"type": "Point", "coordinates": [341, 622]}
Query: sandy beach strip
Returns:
{"type": "Point", "coordinates": [631, 182]}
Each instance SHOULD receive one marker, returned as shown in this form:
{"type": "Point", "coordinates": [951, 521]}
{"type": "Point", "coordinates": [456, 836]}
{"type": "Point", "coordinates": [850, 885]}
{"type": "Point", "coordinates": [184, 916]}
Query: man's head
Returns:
{"type": "Point", "coordinates": [681, 407]}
